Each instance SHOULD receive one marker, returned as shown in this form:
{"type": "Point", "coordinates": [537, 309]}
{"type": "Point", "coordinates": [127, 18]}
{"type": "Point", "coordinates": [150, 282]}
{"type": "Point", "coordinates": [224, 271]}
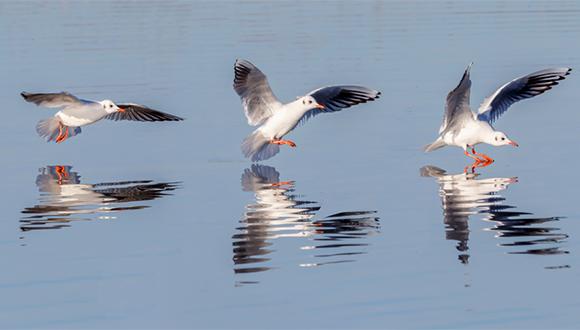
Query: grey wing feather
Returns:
{"type": "Point", "coordinates": [518, 89]}
{"type": "Point", "coordinates": [336, 98]}
{"type": "Point", "coordinates": [457, 104]}
{"type": "Point", "coordinates": [138, 112]}
{"type": "Point", "coordinates": [252, 86]}
{"type": "Point", "coordinates": [52, 100]}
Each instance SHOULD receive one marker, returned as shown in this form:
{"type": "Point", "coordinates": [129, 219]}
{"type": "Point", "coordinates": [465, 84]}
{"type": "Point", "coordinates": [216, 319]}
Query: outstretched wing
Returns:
{"type": "Point", "coordinates": [257, 97]}
{"type": "Point", "coordinates": [518, 89]}
{"type": "Point", "coordinates": [457, 104]}
{"type": "Point", "coordinates": [336, 98]}
{"type": "Point", "coordinates": [52, 100]}
{"type": "Point", "coordinates": [138, 112]}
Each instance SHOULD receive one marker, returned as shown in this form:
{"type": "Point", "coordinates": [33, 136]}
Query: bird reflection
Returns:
{"type": "Point", "coordinates": [64, 199]}
{"type": "Point", "coordinates": [279, 213]}
{"type": "Point", "coordinates": [464, 195]}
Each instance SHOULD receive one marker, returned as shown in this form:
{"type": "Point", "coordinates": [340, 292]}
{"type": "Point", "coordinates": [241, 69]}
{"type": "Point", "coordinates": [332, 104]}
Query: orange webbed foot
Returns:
{"type": "Point", "coordinates": [487, 158]}
{"type": "Point", "coordinates": [287, 142]}
{"type": "Point", "coordinates": [282, 183]}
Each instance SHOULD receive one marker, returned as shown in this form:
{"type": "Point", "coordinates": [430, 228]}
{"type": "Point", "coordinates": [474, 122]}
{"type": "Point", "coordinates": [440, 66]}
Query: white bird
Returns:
{"type": "Point", "coordinates": [76, 112]}
{"type": "Point", "coordinates": [463, 128]}
{"type": "Point", "coordinates": [277, 119]}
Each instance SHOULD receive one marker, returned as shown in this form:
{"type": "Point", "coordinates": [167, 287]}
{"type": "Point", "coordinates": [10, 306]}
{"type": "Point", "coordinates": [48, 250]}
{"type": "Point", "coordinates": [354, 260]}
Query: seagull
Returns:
{"type": "Point", "coordinates": [75, 112]}
{"type": "Point", "coordinates": [463, 128]}
{"type": "Point", "coordinates": [276, 119]}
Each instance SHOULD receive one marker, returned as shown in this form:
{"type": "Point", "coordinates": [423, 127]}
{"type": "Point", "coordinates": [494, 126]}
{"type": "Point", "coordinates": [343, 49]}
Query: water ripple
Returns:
{"type": "Point", "coordinates": [464, 195]}
{"type": "Point", "coordinates": [64, 199]}
{"type": "Point", "coordinates": [279, 213]}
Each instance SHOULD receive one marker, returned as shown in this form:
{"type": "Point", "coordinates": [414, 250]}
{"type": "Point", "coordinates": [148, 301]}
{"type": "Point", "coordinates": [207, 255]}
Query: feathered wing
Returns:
{"type": "Point", "coordinates": [252, 86]}
{"type": "Point", "coordinates": [518, 89]}
{"type": "Point", "coordinates": [52, 100]}
{"type": "Point", "coordinates": [138, 112]}
{"type": "Point", "coordinates": [457, 104]}
{"type": "Point", "coordinates": [336, 98]}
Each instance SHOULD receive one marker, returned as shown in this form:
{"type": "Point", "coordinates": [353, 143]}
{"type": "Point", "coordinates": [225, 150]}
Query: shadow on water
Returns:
{"type": "Point", "coordinates": [279, 213]}
{"type": "Point", "coordinates": [64, 199]}
{"type": "Point", "coordinates": [464, 195]}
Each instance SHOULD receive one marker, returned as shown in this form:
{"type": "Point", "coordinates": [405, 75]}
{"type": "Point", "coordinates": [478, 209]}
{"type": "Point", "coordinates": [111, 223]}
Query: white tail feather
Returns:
{"type": "Point", "coordinates": [437, 144]}
{"type": "Point", "coordinates": [49, 129]}
{"type": "Point", "coordinates": [257, 147]}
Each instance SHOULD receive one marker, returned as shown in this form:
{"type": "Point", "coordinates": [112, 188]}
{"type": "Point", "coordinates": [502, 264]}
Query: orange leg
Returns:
{"type": "Point", "coordinates": [475, 158]}
{"type": "Point", "coordinates": [278, 184]}
{"type": "Point", "coordinates": [64, 137]}
{"type": "Point", "coordinates": [476, 164]}
{"type": "Point", "coordinates": [472, 166]}
{"type": "Point", "coordinates": [488, 160]}
{"type": "Point", "coordinates": [287, 142]}
{"type": "Point", "coordinates": [59, 133]}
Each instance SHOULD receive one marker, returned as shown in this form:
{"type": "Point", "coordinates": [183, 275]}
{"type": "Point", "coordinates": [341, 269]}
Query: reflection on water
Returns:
{"type": "Point", "coordinates": [63, 198]}
{"type": "Point", "coordinates": [280, 213]}
{"type": "Point", "coordinates": [465, 194]}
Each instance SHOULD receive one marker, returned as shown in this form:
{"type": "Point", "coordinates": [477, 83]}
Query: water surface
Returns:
{"type": "Point", "coordinates": [165, 225]}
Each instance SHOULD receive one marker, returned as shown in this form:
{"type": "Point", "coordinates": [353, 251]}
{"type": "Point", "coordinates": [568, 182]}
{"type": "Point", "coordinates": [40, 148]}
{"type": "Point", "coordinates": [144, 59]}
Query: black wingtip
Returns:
{"type": "Point", "coordinates": [241, 62]}
{"type": "Point", "coordinates": [468, 69]}
{"type": "Point", "coordinates": [25, 95]}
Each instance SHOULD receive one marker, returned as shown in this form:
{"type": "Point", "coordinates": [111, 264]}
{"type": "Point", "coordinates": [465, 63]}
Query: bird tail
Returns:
{"type": "Point", "coordinates": [257, 147]}
{"type": "Point", "coordinates": [439, 143]}
{"type": "Point", "coordinates": [50, 129]}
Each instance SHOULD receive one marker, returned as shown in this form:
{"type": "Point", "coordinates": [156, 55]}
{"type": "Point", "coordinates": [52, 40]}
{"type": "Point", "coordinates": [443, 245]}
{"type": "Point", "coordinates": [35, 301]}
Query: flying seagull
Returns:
{"type": "Point", "coordinates": [75, 112]}
{"type": "Point", "coordinates": [276, 119]}
{"type": "Point", "coordinates": [463, 128]}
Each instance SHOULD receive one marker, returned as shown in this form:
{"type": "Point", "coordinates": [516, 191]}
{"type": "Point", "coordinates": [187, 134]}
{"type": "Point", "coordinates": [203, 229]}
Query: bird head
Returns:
{"type": "Point", "coordinates": [500, 139]}
{"type": "Point", "coordinates": [110, 106]}
{"type": "Point", "coordinates": [309, 103]}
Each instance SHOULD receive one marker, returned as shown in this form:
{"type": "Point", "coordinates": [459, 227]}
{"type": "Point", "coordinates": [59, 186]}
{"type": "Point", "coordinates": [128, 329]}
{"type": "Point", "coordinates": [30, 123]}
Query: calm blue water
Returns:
{"type": "Point", "coordinates": [165, 225]}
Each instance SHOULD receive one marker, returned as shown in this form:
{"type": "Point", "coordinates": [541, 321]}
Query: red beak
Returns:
{"type": "Point", "coordinates": [121, 110]}
{"type": "Point", "coordinates": [319, 106]}
{"type": "Point", "coordinates": [513, 143]}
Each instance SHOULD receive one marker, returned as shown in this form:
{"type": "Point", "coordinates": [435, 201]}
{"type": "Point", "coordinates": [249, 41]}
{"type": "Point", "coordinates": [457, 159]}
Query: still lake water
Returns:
{"type": "Point", "coordinates": [150, 225]}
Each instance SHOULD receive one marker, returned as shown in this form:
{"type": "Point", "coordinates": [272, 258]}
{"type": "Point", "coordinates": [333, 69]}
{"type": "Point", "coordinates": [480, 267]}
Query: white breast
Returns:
{"type": "Point", "coordinates": [473, 133]}
{"type": "Point", "coordinates": [282, 121]}
{"type": "Point", "coordinates": [73, 121]}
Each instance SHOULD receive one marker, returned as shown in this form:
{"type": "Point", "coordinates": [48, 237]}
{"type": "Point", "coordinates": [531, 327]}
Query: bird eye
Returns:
{"type": "Point", "coordinates": [309, 101]}
{"type": "Point", "coordinates": [502, 138]}
{"type": "Point", "coordinates": [110, 105]}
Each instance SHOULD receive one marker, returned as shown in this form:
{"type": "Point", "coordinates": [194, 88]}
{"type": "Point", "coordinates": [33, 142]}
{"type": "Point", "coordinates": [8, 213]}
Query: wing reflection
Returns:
{"type": "Point", "coordinates": [280, 213]}
{"type": "Point", "coordinates": [63, 198]}
{"type": "Point", "coordinates": [463, 195]}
